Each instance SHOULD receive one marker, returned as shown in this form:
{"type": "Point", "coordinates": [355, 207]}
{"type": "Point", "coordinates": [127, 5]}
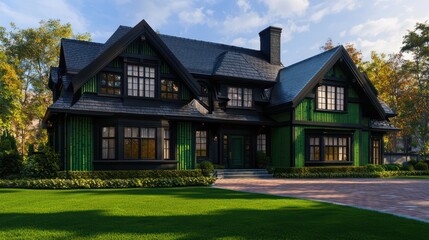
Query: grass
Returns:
{"type": "Point", "coordinates": [188, 213]}
{"type": "Point", "coordinates": [422, 177]}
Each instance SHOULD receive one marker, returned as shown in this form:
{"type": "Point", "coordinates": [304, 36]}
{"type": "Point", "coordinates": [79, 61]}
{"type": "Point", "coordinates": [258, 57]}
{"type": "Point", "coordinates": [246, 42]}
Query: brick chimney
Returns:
{"type": "Point", "coordinates": [270, 44]}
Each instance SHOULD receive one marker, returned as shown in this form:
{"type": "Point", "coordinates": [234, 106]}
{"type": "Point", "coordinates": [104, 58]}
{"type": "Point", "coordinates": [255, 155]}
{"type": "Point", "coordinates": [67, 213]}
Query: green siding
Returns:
{"type": "Point", "coordinates": [185, 146]}
{"type": "Point", "coordinates": [90, 86]}
{"type": "Point", "coordinates": [337, 73]}
{"type": "Point", "coordinates": [80, 143]}
{"type": "Point", "coordinates": [365, 151]}
{"type": "Point", "coordinates": [140, 47]}
{"type": "Point", "coordinates": [357, 149]}
{"type": "Point", "coordinates": [299, 140]}
{"type": "Point", "coordinates": [305, 112]}
{"type": "Point", "coordinates": [352, 93]}
{"type": "Point", "coordinates": [185, 93]}
{"type": "Point", "coordinates": [282, 117]}
{"type": "Point", "coordinates": [116, 63]}
{"type": "Point", "coordinates": [165, 68]}
{"type": "Point", "coordinates": [281, 146]}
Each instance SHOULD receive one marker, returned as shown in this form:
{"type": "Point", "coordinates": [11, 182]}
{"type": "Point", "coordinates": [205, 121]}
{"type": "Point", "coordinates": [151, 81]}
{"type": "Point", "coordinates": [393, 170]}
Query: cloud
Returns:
{"type": "Point", "coordinates": [194, 16]}
{"type": "Point", "coordinates": [374, 28]}
{"type": "Point", "coordinates": [252, 43]}
{"type": "Point", "coordinates": [286, 8]}
{"type": "Point", "coordinates": [331, 7]}
{"type": "Point", "coordinates": [244, 23]}
{"type": "Point", "coordinates": [29, 13]}
{"type": "Point", "coordinates": [243, 5]}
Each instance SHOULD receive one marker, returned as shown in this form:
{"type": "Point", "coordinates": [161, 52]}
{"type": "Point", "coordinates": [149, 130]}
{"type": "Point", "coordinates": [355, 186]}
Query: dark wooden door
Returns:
{"type": "Point", "coordinates": [236, 151]}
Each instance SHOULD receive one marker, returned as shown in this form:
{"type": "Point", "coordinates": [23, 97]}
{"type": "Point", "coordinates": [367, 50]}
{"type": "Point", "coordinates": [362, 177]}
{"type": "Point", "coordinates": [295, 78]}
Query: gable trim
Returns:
{"type": "Point", "coordinates": [119, 46]}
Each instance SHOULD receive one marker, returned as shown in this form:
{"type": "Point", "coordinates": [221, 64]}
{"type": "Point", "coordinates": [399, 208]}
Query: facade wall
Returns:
{"type": "Point", "coordinates": [80, 140]}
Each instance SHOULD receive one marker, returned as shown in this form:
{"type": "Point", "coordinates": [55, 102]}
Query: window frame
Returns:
{"type": "Point", "coordinates": [100, 86]}
{"type": "Point", "coordinates": [140, 141]}
{"type": "Point", "coordinates": [243, 100]}
{"type": "Point", "coordinates": [323, 147]}
{"type": "Point", "coordinates": [262, 143]}
{"type": "Point", "coordinates": [376, 151]}
{"type": "Point", "coordinates": [200, 144]}
{"type": "Point", "coordinates": [141, 80]}
{"type": "Point", "coordinates": [335, 99]}
{"type": "Point", "coordinates": [115, 143]}
{"type": "Point", "coordinates": [172, 93]}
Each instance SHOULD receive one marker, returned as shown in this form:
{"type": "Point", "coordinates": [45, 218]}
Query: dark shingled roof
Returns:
{"type": "Point", "coordinates": [294, 78]}
{"type": "Point", "coordinates": [383, 126]}
{"type": "Point", "coordinates": [198, 57]}
{"type": "Point", "coordinates": [78, 54]}
{"type": "Point", "coordinates": [209, 58]}
{"type": "Point", "coordinates": [93, 104]}
{"type": "Point", "coordinates": [53, 77]}
{"type": "Point", "coordinates": [389, 112]}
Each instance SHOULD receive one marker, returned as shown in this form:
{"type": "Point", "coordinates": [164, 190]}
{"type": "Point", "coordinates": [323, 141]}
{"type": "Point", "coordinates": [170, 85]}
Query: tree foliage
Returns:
{"type": "Point", "coordinates": [31, 52]}
{"type": "Point", "coordinates": [355, 54]}
{"type": "Point", "coordinates": [416, 43]}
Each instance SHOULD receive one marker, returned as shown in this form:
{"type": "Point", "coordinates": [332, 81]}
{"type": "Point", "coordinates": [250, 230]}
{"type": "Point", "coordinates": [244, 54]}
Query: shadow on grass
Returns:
{"type": "Point", "coordinates": [182, 192]}
{"type": "Point", "coordinates": [322, 222]}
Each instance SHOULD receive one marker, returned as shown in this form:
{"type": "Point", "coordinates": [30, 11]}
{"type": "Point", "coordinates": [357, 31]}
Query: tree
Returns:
{"type": "Point", "coordinates": [394, 86]}
{"type": "Point", "coordinates": [32, 52]}
{"type": "Point", "coordinates": [416, 42]}
{"type": "Point", "coordinates": [355, 54]}
{"type": "Point", "coordinates": [10, 86]}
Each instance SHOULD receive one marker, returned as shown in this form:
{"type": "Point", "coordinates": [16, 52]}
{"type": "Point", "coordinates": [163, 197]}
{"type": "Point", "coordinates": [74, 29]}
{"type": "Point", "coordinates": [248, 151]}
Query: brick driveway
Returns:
{"type": "Point", "coordinates": [403, 197]}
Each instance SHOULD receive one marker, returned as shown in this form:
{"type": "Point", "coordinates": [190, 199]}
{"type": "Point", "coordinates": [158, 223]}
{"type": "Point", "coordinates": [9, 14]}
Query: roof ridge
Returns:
{"type": "Point", "coordinates": [81, 41]}
{"type": "Point", "coordinates": [213, 43]}
{"type": "Point", "coordinates": [315, 56]}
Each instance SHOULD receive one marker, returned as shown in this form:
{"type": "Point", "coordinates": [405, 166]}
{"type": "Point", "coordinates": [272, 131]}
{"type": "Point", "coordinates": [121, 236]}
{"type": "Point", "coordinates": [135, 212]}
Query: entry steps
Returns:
{"type": "Point", "coordinates": [242, 173]}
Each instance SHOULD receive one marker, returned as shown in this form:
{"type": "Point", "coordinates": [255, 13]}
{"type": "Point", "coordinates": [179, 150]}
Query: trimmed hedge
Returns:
{"type": "Point", "coordinates": [107, 183]}
{"type": "Point", "coordinates": [340, 170]}
{"type": "Point", "coordinates": [127, 174]}
{"type": "Point", "coordinates": [382, 174]}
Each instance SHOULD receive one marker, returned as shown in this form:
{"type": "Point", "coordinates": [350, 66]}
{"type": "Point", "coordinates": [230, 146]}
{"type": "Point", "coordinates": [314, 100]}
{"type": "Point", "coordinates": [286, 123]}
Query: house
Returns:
{"type": "Point", "coordinates": [144, 100]}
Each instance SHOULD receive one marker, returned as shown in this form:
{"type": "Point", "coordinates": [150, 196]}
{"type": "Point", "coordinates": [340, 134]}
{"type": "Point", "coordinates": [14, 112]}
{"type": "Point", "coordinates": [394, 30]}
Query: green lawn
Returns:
{"type": "Point", "coordinates": [188, 213]}
{"type": "Point", "coordinates": [423, 177]}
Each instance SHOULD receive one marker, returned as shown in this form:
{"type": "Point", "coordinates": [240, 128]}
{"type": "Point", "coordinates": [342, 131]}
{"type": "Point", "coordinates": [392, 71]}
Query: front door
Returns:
{"type": "Point", "coordinates": [236, 151]}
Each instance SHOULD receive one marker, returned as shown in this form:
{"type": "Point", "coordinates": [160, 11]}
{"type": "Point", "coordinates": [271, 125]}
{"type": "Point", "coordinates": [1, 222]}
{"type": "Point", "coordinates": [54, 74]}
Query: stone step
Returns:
{"type": "Point", "coordinates": [242, 173]}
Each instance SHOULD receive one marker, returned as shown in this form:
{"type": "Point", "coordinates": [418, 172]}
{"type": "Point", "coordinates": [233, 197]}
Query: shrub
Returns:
{"type": "Point", "coordinates": [207, 168]}
{"type": "Point", "coordinates": [374, 168]}
{"type": "Point", "coordinates": [262, 160]}
{"type": "Point", "coordinates": [109, 183]}
{"type": "Point", "coordinates": [335, 169]}
{"type": "Point", "coordinates": [421, 165]}
{"type": "Point", "coordinates": [44, 164]}
{"type": "Point", "coordinates": [10, 159]}
{"type": "Point", "coordinates": [409, 167]}
{"type": "Point", "coordinates": [392, 167]}
{"type": "Point", "coordinates": [126, 174]}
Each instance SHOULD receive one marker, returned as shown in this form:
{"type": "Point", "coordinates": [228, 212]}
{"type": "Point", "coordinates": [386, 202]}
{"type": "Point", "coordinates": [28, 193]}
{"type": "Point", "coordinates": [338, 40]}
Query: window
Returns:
{"type": "Point", "coordinates": [376, 151]}
{"type": "Point", "coordinates": [330, 98]}
{"type": "Point", "coordinates": [261, 143]}
{"type": "Point", "coordinates": [328, 148]}
{"type": "Point", "coordinates": [240, 97]}
{"type": "Point", "coordinates": [141, 81]}
{"type": "Point", "coordinates": [169, 89]}
{"type": "Point", "coordinates": [108, 144]}
{"type": "Point", "coordinates": [110, 83]}
{"type": "Point", "coordinates": [166, 143]}
{"type": "Point", "coordinates": [201, 144]}
{"type": "Point", "coordinates": [139, 143]}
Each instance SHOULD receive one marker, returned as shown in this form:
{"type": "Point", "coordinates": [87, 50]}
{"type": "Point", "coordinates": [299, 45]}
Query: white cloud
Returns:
{"type": "Point", "coordinates": [252, 43]}
{"type": "Point", "coordinates": [332, 7]}
{"type": "Point", "coordinates": [194, 16]}
{"type": "Point", "coordinates": [290, 28]}
{"type": "Point", "coordinates": [374, 28]}
{"type": "Point", "coordinates": [29, 13]}
{"type": "Point", "coordinates": [286, 8]}
{"type": "Point", "coordinates": [243, 5]}
{"type": "Point", "coordinates": [244, 23]}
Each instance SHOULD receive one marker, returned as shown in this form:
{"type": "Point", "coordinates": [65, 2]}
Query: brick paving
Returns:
{"type": "Point", "coordinates": [402, 197]}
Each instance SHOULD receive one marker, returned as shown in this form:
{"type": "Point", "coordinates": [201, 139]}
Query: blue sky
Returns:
{"type": "Point", "coordinates": [372, 25]}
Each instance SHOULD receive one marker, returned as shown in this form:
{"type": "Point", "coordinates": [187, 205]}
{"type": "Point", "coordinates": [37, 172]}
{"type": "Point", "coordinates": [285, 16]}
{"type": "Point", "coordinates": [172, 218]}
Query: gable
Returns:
{"type": "Point", "coordinates": [130, 43]}
{"type": "Point", "coordinates": [298, 80]}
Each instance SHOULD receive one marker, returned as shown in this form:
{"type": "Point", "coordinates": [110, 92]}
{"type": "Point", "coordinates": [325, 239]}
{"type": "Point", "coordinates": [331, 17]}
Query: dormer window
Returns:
{"type": "Point", "coordinates": [330, 98]}
{"type": "Point", "coordinates": [240, 97]}
{"type": "Point", "coordinates": [141, 81]}
{"type": "Point", "coordinates": [110, 83]}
